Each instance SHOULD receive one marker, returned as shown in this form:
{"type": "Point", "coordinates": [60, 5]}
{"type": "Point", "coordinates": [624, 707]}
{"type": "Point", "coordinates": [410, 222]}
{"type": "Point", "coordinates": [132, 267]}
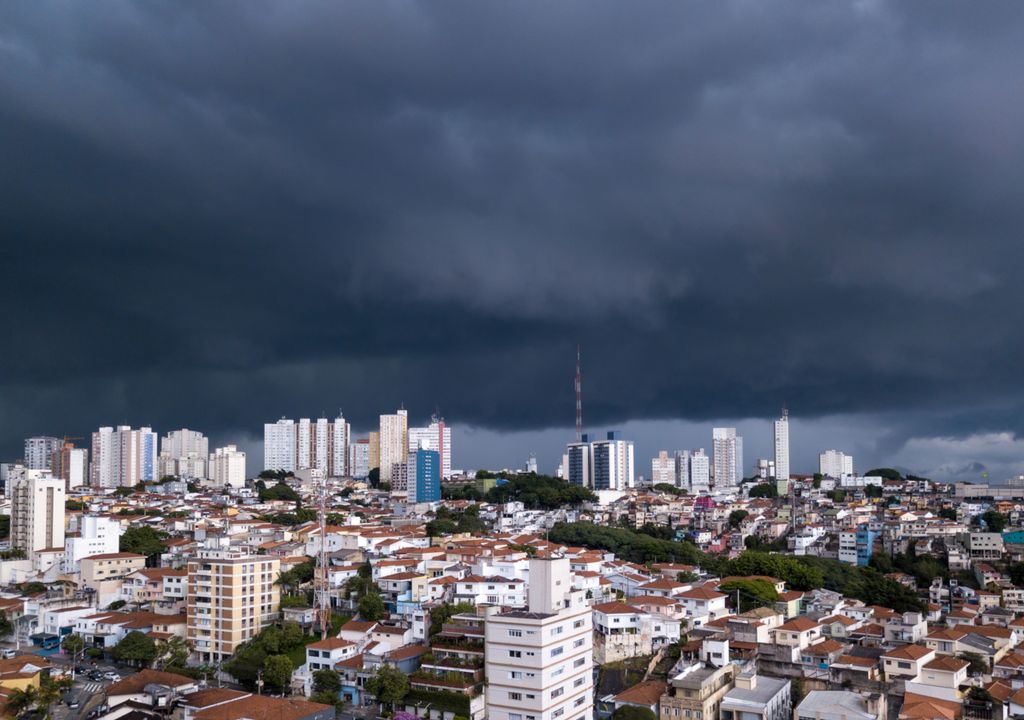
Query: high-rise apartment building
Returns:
{"type": "Point", "coordinates": [539, 660]}
{"type": "Point", "coordinates": [71, 464]}
{"type": "Point", "coordinates": [663, 469]}
{"type": "Point", "coordinates": [359, 458]}
{"type": "Point", "coordinates": [123, 456]}
{"type": "Point", "coordinates": [231, 598]}
{"type": "Point", "coordinates": [39, 452]}
{"type": "Point", "coordinates": [227, 466]}
{"type": "Point", "coordinates": [374, 456]}
{"type": "Point", "coordinates": [184, 453]}
{"type": "Point", "coordinates": [424, 473]}
{"type": "Point", "coordinates": [727, 447]}
{"type": "Point", "coordinates": [322, 445]}
{"type": "Point", "coordinates": [682, 460]}
{"type": "Point", "coordinates": [700, 473]}
{"type": "Point", "coordinates": [781, 437]}
{"type": "Point", "coordinates": [577, 463]}
{"type": "Point", "coordinates": [394, 447]}
{"type": "Point", "coordinates": [601, 464]}
{"type": "Point", "coordinates": [835, 464]}
{"type": "Point", "coordinates": [37, 511]}
{"type": "Point", "coordinates": [438, 437]}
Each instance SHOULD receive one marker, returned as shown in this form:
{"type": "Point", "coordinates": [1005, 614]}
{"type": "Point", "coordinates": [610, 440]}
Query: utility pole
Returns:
{"type": "Point", "coordinates": [579, 397]}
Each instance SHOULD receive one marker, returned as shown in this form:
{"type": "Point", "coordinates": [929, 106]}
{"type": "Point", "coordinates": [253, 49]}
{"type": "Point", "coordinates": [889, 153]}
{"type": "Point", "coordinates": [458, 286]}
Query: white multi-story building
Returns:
{"type": "Point", "coordinates": [37, 511]}
{"type": "Point", "coordinates": [663, 469]}
{"type": "Point", "coordinates": [683, 469]}
{"type": "Point", "coordinates": [123, 456]}
{"type": "Point", "coordinates": [835, 464]}
{"type": "Point", "coordinates": [539, 661]}
{"type": "Point", "coordinates": [394, 448]}
{"type": "Point", "coordinates": [438, 437]}
{"type": "Point", "coordinates": [727, 447]}
{"type": "Point", "coordinates": [227, 466]}
{"type": "Point", "coordinates": [304, 455]}
{"type": "Point", "coordinates": [279, 445]}
{"type": "Point", "coordinates": [39, 452]}
{"type": "Point", "coordinates": [700, 473]}
{"type": "Point", "coordinates": [183, 453]}
{"type": "Point", "coordinates": [359, 458]}
{"type": "Point", "coordinates": [341, 434]}
{"type": "Point", "coordinates": [97, 535]}
{"type": "Point", "coordinates": [781, 438]}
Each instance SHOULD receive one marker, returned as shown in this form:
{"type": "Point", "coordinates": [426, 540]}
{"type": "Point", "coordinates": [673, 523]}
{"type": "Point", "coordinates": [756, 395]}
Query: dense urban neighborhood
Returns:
{"type": "Point", "coordinates": [147, 585]}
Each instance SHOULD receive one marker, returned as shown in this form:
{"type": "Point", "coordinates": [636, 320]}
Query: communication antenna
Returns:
{"type": "Point", "coordinates": [579, 398]}
{"type": "Point", "coordinates": [321, 590]}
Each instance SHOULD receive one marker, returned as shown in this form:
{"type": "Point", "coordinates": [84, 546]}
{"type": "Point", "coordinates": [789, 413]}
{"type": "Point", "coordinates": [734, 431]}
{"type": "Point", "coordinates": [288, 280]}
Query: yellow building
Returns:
{"type": "Point", "coordinates": [97, 569]}
{"type": "Point", "coordinates": [231, 598]}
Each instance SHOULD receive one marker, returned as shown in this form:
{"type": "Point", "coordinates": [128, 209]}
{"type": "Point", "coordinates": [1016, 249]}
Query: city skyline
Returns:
{"type": "Point", "coordinates": [716, 251]}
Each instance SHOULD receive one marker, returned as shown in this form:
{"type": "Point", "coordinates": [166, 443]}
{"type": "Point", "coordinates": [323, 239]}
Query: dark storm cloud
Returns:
{"type": "Point", "coordinates": [221, 212]}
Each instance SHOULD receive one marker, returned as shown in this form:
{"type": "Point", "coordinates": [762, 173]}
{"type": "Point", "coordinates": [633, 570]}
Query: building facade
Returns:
{"type": "Point", "coordinates": [123, 457]}
{"type": "Point", "coordinates": [424, 474]}
{"type": "Point", "coordinates": [438, 437]}
{"type": "Point", "coordinates": [394, 447]}
{"type": "Point", "coordinates": [539, 661]}
{"type": "Point", "coordinates": [727, 448]}
{"type": "Point", "coordinates": [227, 466]}
{"type": "Point", "coordinates": [231, 598]}
{"type": "Point", "coordinates": [781, 437]}
{"type": "Point", "coordinates": [835, 464]}
{"type": "Point", "coordinates": [37, 511]}
{"type": "Point", "coordinates": [39, 452]}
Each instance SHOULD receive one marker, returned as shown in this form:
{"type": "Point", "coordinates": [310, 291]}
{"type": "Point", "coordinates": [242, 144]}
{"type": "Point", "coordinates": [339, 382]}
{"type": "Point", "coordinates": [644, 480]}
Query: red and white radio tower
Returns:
{"type": "Point", "coordinates": [579, 398]}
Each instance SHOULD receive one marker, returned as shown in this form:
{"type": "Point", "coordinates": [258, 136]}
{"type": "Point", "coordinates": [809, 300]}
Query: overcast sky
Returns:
{"type": "Point", "coordinates": [215, 214]}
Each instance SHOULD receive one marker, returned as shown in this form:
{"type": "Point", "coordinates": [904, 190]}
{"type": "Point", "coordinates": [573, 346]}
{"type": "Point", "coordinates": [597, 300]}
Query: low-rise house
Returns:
{"type": "Point", "coordinates": [143, 686]}
{"type": "Point", "coordinates": [757, 697]}
{"type": "Point", "coordinates": [841, 705]}
{"type": "Point", "coordinates": [905, 662]}
{"type": "Point", "coordinates": [645, 694]}
{"type": "Point", "coordinates": [940, 677]}
{"type": "Point", "coordinates": [701, 605]}
{"type": "Point", "coordinates": [697, 689]}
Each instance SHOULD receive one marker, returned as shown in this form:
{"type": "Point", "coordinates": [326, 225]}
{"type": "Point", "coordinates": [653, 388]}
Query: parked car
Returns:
{"type": "Point", "coordinates": [8, 653]}
{"type": "Point", "coordinates": [112, 676]}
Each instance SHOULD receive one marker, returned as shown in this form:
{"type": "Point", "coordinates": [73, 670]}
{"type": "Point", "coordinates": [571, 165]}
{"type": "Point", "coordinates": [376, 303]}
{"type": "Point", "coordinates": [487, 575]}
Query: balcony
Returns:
{"type": "Point", "coordinates": [450, 681]}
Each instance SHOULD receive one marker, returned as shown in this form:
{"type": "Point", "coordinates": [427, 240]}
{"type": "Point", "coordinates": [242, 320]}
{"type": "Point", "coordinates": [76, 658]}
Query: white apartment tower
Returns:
{"type": "Point", "coordinates": [321, 444]}
{"type": "Point", "coordinates": [37, 511]}
{"type": "Point", "coordinates": [437, 437]}
{"type": "Point", "coordinates": [539, 661]}
{"type": "Point", "coordinates": [394, 448]}
{"type": "Point", "coordinates": [782, 446]}
{"type": "Point", "coordinates": [700, 473]}
{"type": "Point", "coordinates": [227, 467]}
{"type": "Point", "coordinates": [39, 452]}
{"type": "Point", "coordinates": [682, 461]}
{"type": "Point", "coordinates": [123, 456]}
{"type": "Point", "coordinates": [183, 453]}
{"type": "Point", "coordinates": [279, 445]}
{"type": "Point", "coordinates": [835, 464]}
{"type": "Point", "coordinates": [663, 469]}
{"type": "Point", "coordinates": [728, 458]}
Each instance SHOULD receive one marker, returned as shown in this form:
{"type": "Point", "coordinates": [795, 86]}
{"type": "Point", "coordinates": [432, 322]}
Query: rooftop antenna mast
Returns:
{"type": "Point", "coordinates": [579, 398]}
{"type": "Point", "coordinates": [322, 598]}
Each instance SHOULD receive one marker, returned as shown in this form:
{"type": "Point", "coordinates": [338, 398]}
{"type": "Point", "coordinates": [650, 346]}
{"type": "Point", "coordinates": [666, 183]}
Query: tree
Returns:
{"type": "Point", "coordinates": [633, 712]}
{"type": "Point", "coordinates": [74, 505]}
{"type": "Point", "coordinates": [884, 473]}
{"type": "Point", "coordinates": [978, 664]}
{"type": "Point", "coordinates": [948, 513]}
{"type": "Point", "coordinates": [174, 652]}
{"type": "Point", "coordinates": [389, 685]}
{"type": "Point", "coordinates": [836, 495]}
{"type": "Point", "coordinates": [31, 588]}
{"type": "Point", "coordinates": [135, 647]}
{"type": "Point", "coordinates": [326, 687]}
{"type": "Point", "coordinates": [6, 626]}
{"type": "Point", "coordinates": [443, 613]}
{"type": "Point", "coordinates": [73, 644]}
{"type": "Point", "coordinates": [669, 489]}
{"type": "Point", "coordinates": [21, 700]}
{"type": "Point", "coordinates": [995, 522]}
{"type": "Point", "coordinates": [373, 477]}
{"type": "Point", "coordinates": [752, 593]}
{"type": "Point", "coordinates": [873, 491]}
{"type": "Point", "coordinates": [736, 517]}
{"type": "Point", "coordinates": [277, 672]}
{"type": "Point", "coordinates": [436, 528]}
{"type": "Point", "coordinates": [143, 541]}
{"type": "Point", "coordinates": [5, 527]}
{"type": "Point", "coordinates": [291, 634]}
{"type": "Point", "coordinates": [371, 607]}
{"type": "Point", "coordinates": [764, 490]}
{"type": "Point", "coordinates": [281, 491]}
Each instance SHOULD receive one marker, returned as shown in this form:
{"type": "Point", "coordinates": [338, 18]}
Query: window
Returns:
{"type": "Point", "coordinates": [578, 681]}
{"type": "Point", "coordinates": [904, 665]}
{"type": "Point", "coordinates": [557, 630]}
{"type": "Point", "coordinates": [555, 652]}
{"type": "Point", "coordinates": [515, 696]}
{"type": "Point", "coordinates": [578, 662]}
{"type": "Point", "coordinates": [515, 716]}
{"type": "Point", "coordinates": [515, 633]}
{"type": "Point", "coordinates": [578, 642]}
{"type": "Point", "coordinates": [558, 713]}
{"type": "Point", "coordinates": [557, 692]}
{"type": "Point", "coordinates": [515, 653]}
{"type": "Point", "coordinates": [515, 674]}
{"type": "Point", "coordinates": [578, 624]}
{"type": "Point", "coordinates": [580, 700]}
